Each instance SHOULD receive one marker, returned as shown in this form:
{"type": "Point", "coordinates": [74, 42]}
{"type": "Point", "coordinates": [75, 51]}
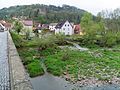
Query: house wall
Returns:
{"type": "Point", "coordinates": [52, 28]}
{"type": "Point", "coordinates": [67, 29]}
{"type": "Point", "coordinates": [30, 28]}
{"type": "Point", "coordinates": [57, 31]}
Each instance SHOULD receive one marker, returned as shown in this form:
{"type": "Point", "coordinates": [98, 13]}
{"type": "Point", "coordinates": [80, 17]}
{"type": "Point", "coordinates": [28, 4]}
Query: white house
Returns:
{"type": "Point", "coordinates": [64, 28]}
{"type": "Point", "coordinates": [52, 26]}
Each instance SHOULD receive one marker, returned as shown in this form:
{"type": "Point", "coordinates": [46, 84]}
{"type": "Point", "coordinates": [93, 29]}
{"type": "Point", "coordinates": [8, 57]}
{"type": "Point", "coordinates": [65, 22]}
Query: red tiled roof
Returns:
{"type": "Point", "coordinates": [28, 22]}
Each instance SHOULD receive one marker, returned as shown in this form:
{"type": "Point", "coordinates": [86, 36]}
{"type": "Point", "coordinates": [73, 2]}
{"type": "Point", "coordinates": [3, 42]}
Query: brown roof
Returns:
{"type": "Point", "coordinates": [28, 22]}
{"type": "Point", "coordinates": [6, 24]}
{"type": "Point", "coordinates": [2, 22]}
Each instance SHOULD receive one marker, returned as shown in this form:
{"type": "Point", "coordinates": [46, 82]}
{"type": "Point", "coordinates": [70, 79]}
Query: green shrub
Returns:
{"type": "Point", "coordinates": [46, 43]}
{"type": "Point", "coordinates": [27, 55]}
{"type": "Point", "coordinates": [118, 37]}
{"type": "Point", "coordinates": [60, 39]}
{"type": "Point", "coordinates": [110, 39]}
{"type": "Point", "coordinates": [18, 41]}
{"type": "Point", "coordinates": [35, 69]}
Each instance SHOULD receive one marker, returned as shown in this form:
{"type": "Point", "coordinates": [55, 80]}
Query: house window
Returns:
{"type": "Point", "coordinates": [68, 29]}
{"type": "Point", "coordinates": [68, 33]}
{"type": "Point", "coordinates": [68, 25]}
{"type": "Point", "coordinates": [65, 24]}
{"type": "Point", "coordinates": [63, 28]}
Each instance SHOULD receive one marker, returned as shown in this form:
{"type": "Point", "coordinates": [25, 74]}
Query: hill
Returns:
{"type": "Point", "coordinates": [43, 13]}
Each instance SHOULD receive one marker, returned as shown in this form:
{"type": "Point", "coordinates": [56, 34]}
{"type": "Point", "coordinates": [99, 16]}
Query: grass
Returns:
{"type": "Point", "coordinates": [84, 64]}
{"type": "Point", "coordinates": [97, 63]}
{"type": "Point", "coordinates": [30, 59]}
{"type": "Point", "coordinates": [35, 69]}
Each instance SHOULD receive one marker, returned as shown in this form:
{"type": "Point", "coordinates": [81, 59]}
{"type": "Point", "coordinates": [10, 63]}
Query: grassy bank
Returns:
{"type": "Point", "coordinates": [100, 64]}
{"type": "Point", "coordinates": [31, 61]}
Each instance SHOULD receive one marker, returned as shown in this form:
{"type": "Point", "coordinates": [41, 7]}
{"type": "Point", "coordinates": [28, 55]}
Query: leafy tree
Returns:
{"type": "Point", "coordinates": [50, 13]}
{"type": "Point", "coordinates": [93, 30]}
{"type": "Point", "coordinates": [18, 26]}
{"type": "Point", "coordinates": [89, 28]}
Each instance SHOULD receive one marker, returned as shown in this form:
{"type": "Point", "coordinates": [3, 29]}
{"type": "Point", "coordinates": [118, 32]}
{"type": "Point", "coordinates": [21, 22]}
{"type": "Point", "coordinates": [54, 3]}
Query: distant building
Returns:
{"type": "Point", "coordinates": [64, 28]}
{"type": "Point", "coordinates": [45, 26]}
{"type": "Point", "coordinates": [77, 29]}
{"type": "Point", "coordinates": [28, 24]}
{"type": "Point", "coordinates": [2, 28]}
{"type": "Point", "coordinates": [37, 26]}
{"type": "Point", "coordinates": [52, 26]}
{"type": "Point", "coordinates": [6, 25]}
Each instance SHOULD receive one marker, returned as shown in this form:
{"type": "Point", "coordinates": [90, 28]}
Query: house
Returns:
{"type": "Point", "coordinates": [45, 26]}
{"type": "Point", "coordinates": [6, 25]}
{"type": "Point", "coordinates": [28, 24]}
{"type": "Point", "coordinates": [52, 26]}
{"type": "Point", "coordinates": [2, 28]}
{"type": "Point", "coordinates": [28, 27]}
{"type": "Point", "coordinates": [64, 28]}
{"type": "Point", "coordinates": [77, 29]}
{"type": "Point", "coordinates": [37, 26]}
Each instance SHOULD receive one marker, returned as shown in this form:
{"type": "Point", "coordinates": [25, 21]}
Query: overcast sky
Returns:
{"type": "Point", "coordinates": [93, 6]}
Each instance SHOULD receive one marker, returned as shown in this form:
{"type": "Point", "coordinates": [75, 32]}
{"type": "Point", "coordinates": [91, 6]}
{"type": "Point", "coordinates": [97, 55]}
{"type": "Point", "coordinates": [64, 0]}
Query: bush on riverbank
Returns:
{"type": "Point", "coordinates": [35, 69]}
{"type": "Point", "coordinates": [99, 64]}
{"type": "Point", "coordinates": [30, 59]}
{"type": "Point", "coordinates": [17, 39]}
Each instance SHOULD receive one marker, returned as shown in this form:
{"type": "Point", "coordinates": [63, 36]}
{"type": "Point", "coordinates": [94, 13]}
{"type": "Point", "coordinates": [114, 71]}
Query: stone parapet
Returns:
{"type": "Point", "coordinates": [18, 76]}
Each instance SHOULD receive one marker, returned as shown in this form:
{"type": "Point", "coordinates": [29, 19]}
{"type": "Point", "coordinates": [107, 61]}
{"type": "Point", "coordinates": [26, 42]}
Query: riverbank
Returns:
{"type": "Point", "coordinates": [89, 67]}
{"type": "Point", "coordinates": [83, 67]}
{"type": "Point", "coordinates": [50, 82]}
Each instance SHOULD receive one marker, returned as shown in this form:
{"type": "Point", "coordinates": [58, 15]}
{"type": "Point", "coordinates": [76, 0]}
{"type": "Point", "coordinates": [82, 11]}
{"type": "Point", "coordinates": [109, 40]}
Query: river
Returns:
{"type": "Point", "coordinates": [50, 82]}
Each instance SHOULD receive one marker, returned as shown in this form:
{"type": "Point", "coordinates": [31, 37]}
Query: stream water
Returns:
{"type": "Point", "coordinates": [50, 82]}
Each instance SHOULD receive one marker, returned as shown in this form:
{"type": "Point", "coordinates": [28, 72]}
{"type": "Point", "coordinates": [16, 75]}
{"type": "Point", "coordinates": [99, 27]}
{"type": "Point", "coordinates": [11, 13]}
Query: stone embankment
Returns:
{"type": "Point", "coordinates": [18, 76]}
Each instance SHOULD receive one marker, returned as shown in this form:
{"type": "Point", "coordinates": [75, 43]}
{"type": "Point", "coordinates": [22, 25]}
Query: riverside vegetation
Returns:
{"type": "Point", "coordinates": [74, 65]}
{"type": "Point", "coordinates": [101, 61]}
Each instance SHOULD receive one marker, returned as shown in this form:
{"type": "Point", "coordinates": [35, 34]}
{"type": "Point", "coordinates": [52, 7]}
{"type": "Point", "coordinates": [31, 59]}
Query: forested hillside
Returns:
{"type": "Point", "coordinates": [44, 13]}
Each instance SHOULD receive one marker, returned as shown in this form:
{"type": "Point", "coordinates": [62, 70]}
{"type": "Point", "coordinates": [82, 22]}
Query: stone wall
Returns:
{"type": "Point", "coordinates": [18, 76]}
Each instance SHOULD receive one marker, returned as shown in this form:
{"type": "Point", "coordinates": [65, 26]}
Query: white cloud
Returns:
{"type": "Point", "coordinates": [93, 6]}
